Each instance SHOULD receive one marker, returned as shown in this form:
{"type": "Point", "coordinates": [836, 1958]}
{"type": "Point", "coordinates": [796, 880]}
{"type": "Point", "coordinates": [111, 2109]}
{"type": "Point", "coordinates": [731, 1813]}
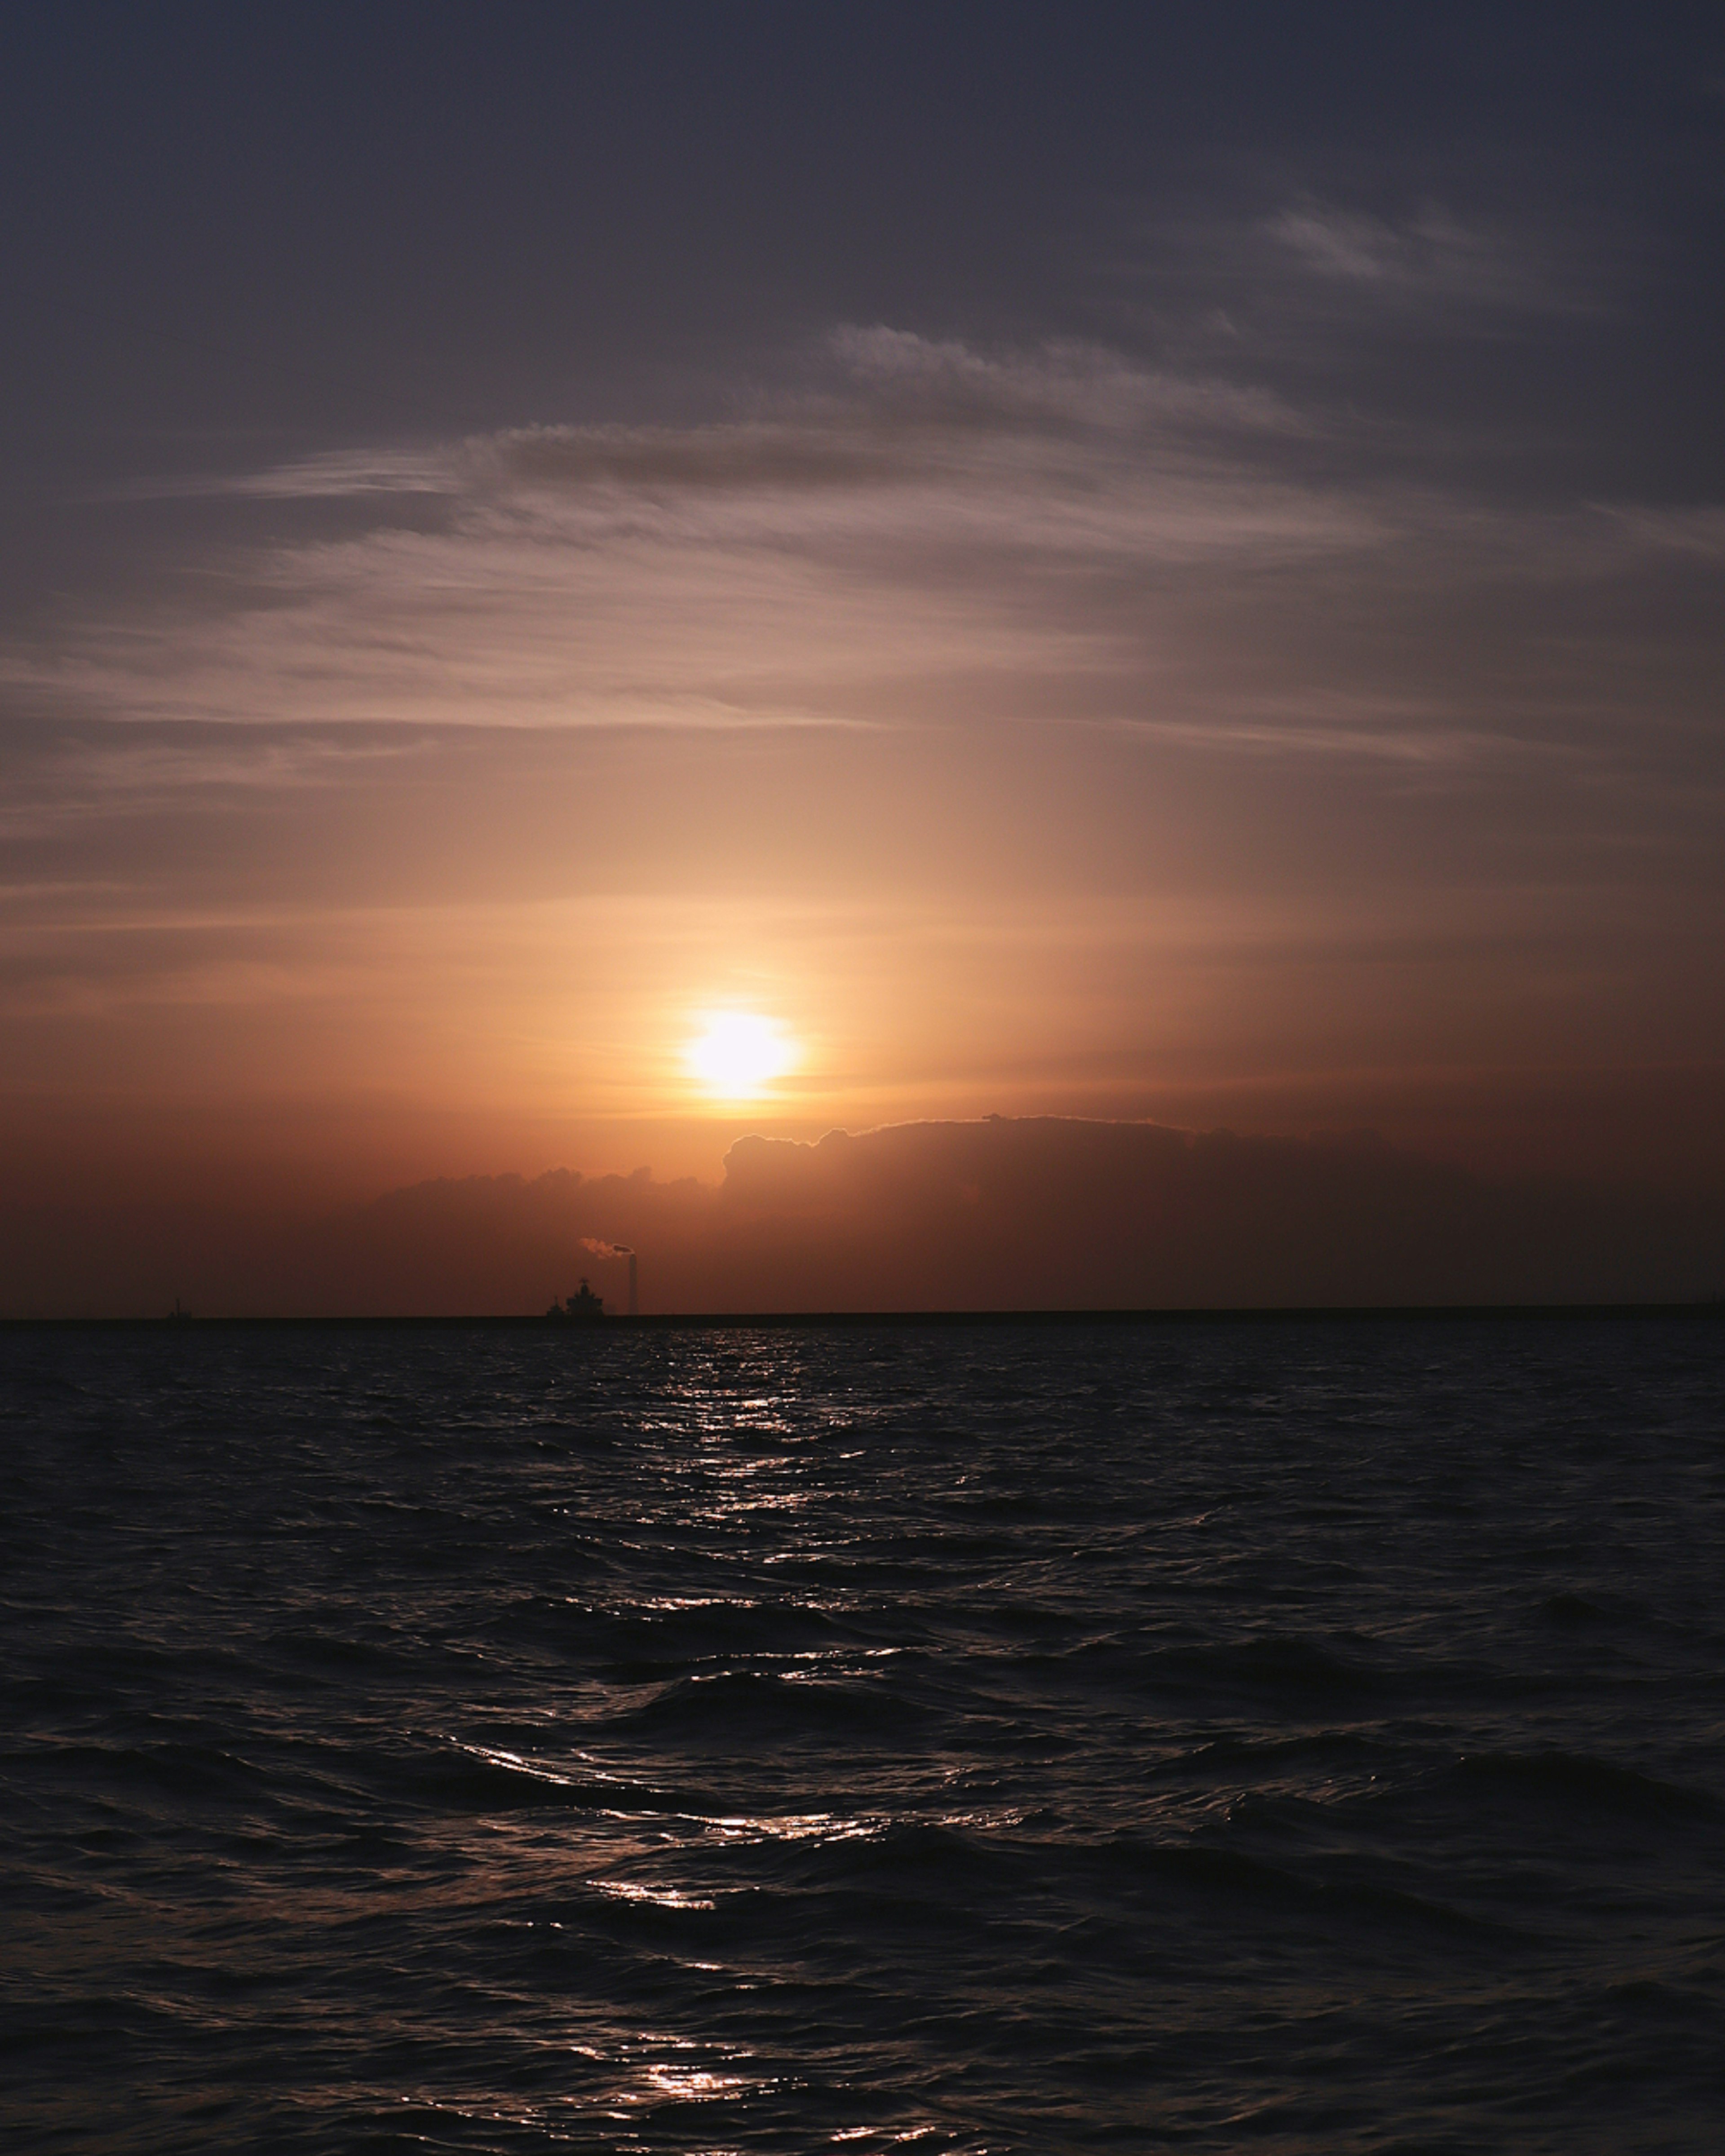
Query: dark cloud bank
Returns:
{"type": "Point", "coordinates": [1003, 1214]}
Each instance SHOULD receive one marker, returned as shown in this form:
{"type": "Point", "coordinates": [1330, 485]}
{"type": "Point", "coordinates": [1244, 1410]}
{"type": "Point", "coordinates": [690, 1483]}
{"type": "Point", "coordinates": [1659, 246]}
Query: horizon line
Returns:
{"type": "Point", "coordinates": [1709, 1306]}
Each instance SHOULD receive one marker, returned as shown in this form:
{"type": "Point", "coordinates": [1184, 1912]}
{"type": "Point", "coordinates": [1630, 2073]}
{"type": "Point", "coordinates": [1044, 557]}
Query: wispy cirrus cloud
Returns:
{"type": "Point", "coordinates": [914, 517]}
{"type": "Point", "coordinates": [1433, 260]}
{"type": "Point", "coordinates": [333, 475]}
{"type": "Point", "coordinates": [1323, 288]}
{"type": "Point", "coordinates": [911, 531]}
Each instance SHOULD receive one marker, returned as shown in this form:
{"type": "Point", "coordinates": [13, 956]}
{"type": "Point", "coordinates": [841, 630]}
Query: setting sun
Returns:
{"type": "Point", "coordinates": [737, 1054]}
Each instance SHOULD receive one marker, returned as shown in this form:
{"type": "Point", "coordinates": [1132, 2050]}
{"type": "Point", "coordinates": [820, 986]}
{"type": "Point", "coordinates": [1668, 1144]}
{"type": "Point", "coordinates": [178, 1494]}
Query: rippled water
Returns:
{"type": "Point", "coordinates": [1273, 1738]}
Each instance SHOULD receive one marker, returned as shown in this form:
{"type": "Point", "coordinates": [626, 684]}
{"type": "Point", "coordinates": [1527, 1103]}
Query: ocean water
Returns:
{"type": "Point", "coordinates": [1280, 1738]}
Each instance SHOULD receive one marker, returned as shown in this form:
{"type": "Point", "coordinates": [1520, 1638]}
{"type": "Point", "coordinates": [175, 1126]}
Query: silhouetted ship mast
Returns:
{"type": "Point", "coordinates": [584, 1307]}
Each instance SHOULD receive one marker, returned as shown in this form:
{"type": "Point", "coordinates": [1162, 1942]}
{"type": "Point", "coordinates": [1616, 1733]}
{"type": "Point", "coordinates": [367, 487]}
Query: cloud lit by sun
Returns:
{"type": "Point", "coordinates": [737, 1054]}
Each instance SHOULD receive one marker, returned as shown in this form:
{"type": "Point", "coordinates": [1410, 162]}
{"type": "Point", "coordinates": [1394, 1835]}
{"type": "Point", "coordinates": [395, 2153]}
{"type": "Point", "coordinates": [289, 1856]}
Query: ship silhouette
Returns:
{"type": "Point", "coordinates": [584, 1307]}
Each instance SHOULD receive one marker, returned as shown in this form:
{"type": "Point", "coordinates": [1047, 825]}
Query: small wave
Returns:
{"type": "Point", "coordinates": [1276, 1668]}
{"type": "Point", "coordinates": [656, 1897]}
{"type": "Point", "coordinates": [672, 1633]}
{"type": "Point", "coordinates": [741, 1710]}
{"type": "Point", "coordinates": [477, 1778]}
{"type": "Point", "coordinates": [1573, 1610]}
{"type": "Point", "coordinates": [175, 1768]}
{"type": "Point", "coordinates": [1578, 1781]}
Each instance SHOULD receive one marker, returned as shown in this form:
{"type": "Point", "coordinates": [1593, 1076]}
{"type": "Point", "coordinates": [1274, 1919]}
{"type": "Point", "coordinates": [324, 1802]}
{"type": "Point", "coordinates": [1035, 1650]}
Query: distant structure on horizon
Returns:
{"type": "Point", "coordinates": [584, 1307]}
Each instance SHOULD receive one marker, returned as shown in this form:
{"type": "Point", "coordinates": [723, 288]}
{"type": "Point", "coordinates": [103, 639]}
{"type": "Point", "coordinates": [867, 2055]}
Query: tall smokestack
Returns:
{"type": "Point", "coordinates": [601, 1250]}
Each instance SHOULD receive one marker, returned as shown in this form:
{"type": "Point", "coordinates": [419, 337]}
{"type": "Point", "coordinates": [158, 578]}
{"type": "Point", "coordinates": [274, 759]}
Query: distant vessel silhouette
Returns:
{"type": "Point", "coordinates": [584, 1307]}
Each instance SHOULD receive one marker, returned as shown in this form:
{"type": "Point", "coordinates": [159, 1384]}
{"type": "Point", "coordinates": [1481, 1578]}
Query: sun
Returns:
{"type": "Point", "coordinates": [737, 1054]}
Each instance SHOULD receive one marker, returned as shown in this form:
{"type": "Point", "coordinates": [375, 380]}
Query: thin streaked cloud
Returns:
{"type": "Point", "coordinates": [936, 534]}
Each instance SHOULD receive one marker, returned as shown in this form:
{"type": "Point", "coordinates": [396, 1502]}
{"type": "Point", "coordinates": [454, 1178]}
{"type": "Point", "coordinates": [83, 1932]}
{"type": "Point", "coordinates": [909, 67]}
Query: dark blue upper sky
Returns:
{"type": "Point", "coordinates": [318, 222]}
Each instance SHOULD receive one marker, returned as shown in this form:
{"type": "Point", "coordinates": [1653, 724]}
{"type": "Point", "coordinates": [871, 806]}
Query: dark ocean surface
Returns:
{"type": "Point", "coordinates": [1274, 1738]}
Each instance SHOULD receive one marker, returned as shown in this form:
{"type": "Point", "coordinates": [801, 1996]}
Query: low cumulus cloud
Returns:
{"type": "Point", "coordinates": [1044, 1213]}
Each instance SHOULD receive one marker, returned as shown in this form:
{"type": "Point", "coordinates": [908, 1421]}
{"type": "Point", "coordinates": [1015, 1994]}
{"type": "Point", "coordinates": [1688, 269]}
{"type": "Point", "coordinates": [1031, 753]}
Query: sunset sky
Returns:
{"type": "Point", "coordinates": [1156, 564]}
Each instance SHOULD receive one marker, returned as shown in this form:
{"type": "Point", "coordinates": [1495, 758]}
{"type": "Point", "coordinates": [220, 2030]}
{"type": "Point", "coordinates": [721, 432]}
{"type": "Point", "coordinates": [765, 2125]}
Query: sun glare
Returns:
{"type": "Point", "coordinates": [737, 1054]}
